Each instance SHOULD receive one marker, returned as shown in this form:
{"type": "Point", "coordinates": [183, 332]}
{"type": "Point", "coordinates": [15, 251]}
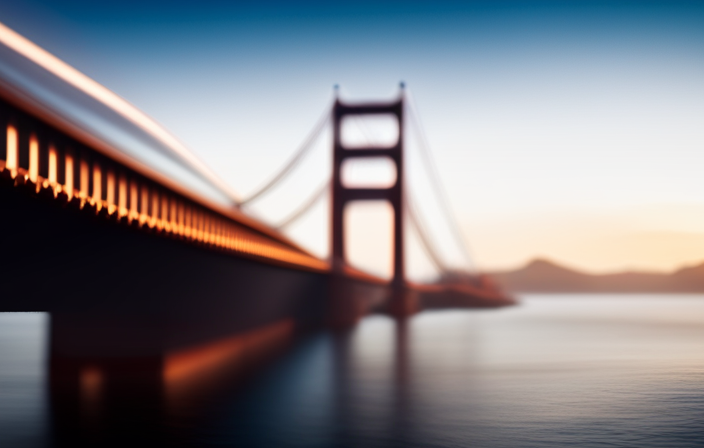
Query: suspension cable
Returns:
{"type": "Point", "coordinates": [319, 193]}
{"type": "Point", "coordinates": [423, 236]}
{"type": "Point", "coordinates": [297, 157]}
{"type": "Point", "coordinates": [434, 176]}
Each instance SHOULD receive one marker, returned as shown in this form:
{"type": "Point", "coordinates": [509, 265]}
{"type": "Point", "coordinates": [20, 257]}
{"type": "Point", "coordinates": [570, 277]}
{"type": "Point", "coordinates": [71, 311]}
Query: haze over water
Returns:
{"type": "Point", "coordinates": [558, 370]}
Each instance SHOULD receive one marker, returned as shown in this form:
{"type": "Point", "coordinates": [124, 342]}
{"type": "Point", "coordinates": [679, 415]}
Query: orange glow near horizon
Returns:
{"type": "Point", "coordinates": [658, 238]}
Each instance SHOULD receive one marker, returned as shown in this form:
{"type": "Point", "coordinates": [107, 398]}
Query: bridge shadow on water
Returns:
{"type": "Point", "coordinates": [317, 394]}
{"type": "Point", "coordinates": [319, 389]}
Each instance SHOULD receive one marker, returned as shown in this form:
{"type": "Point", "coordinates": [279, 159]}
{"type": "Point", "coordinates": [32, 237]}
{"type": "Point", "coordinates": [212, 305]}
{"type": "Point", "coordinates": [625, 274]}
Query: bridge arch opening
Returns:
{"type": "Point", "coordinates": [368, 172]}
{"type": "Point", "coordinates": [369, 237]}
{"type": "Point", "coordinates": [370, 130]}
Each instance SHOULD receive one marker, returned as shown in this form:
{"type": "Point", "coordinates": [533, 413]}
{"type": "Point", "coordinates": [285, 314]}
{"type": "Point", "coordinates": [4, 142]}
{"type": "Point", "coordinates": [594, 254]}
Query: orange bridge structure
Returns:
{"type": "Point", "coordinates": [146, 260]}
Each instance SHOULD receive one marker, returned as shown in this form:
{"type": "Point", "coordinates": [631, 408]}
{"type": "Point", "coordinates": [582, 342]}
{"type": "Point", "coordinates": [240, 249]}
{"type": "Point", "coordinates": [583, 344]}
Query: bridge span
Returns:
{"type": "Point", "coordinates": [143, 257]}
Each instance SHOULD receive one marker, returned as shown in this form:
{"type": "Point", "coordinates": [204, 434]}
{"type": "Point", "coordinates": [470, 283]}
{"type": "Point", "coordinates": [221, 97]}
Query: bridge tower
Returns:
{"type": "Point", "coordinates": [400, 302]}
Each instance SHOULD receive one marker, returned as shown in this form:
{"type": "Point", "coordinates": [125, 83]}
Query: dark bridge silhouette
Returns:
{"type": "Point", "coordinates": [145, 259]}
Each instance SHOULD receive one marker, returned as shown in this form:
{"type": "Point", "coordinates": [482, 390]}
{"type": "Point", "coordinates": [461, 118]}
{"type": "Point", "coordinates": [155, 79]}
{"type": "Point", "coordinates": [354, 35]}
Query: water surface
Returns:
{"type": "Point", "coordinates": [559, 370]}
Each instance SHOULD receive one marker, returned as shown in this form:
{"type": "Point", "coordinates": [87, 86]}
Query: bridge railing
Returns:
{"type": "Point", "coordinates": [48, 164]}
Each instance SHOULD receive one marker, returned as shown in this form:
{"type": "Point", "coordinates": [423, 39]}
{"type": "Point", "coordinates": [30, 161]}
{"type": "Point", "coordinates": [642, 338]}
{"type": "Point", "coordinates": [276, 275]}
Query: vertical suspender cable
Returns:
{"type": "Point", "coordinates": [423, 236]}
{"type": "Point", "coordinates": [435, 179]}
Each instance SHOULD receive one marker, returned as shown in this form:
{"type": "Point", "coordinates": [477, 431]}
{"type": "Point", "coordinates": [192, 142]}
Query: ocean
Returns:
{"type": "Point", "coordinates": [557, 370]}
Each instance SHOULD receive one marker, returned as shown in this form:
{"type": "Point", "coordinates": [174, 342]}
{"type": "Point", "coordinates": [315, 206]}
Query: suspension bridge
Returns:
{"type": "Point", "coordinates": [144, 257]}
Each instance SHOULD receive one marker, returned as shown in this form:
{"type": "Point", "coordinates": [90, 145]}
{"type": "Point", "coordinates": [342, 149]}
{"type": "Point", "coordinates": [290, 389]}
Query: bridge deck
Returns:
{"type": "Point", "coordinates": [134, 247]}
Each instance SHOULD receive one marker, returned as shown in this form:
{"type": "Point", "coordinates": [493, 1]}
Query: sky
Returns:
{"type": "Point", "coordinates": [562, 130]}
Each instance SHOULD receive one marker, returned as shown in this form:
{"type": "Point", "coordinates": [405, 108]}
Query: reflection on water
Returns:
{"type": "Point", "coordinates": [23, 395]}
{"type": "Point", "coordinates": [556, 371]}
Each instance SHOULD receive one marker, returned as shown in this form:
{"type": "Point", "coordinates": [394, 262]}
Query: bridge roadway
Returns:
{"type": "Point", "coordinates": [121, 286]}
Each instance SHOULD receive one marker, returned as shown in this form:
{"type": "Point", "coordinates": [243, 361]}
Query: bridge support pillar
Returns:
{"type": "Point", "coordinates": [403, 302]}
{"type": "Point", "coordinates": [346, 302]}
{"type": "Point", "coordinates": [347, 305]}
{"type": "Point", "coordinates": [351, 299]}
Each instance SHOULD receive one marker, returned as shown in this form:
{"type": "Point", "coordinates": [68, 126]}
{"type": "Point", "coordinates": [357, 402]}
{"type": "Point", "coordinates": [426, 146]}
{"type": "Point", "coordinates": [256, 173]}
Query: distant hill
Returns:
{"type": "Point", "coordinates": [545, 276]}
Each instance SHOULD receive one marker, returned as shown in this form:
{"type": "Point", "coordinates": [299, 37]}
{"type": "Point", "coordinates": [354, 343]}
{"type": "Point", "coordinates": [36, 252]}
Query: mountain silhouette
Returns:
{"type": "Point", "coordinates": [545, 276]}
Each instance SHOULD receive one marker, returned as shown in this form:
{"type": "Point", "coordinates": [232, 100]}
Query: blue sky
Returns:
{"type": "Point", "coordinates": [561, 129]}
